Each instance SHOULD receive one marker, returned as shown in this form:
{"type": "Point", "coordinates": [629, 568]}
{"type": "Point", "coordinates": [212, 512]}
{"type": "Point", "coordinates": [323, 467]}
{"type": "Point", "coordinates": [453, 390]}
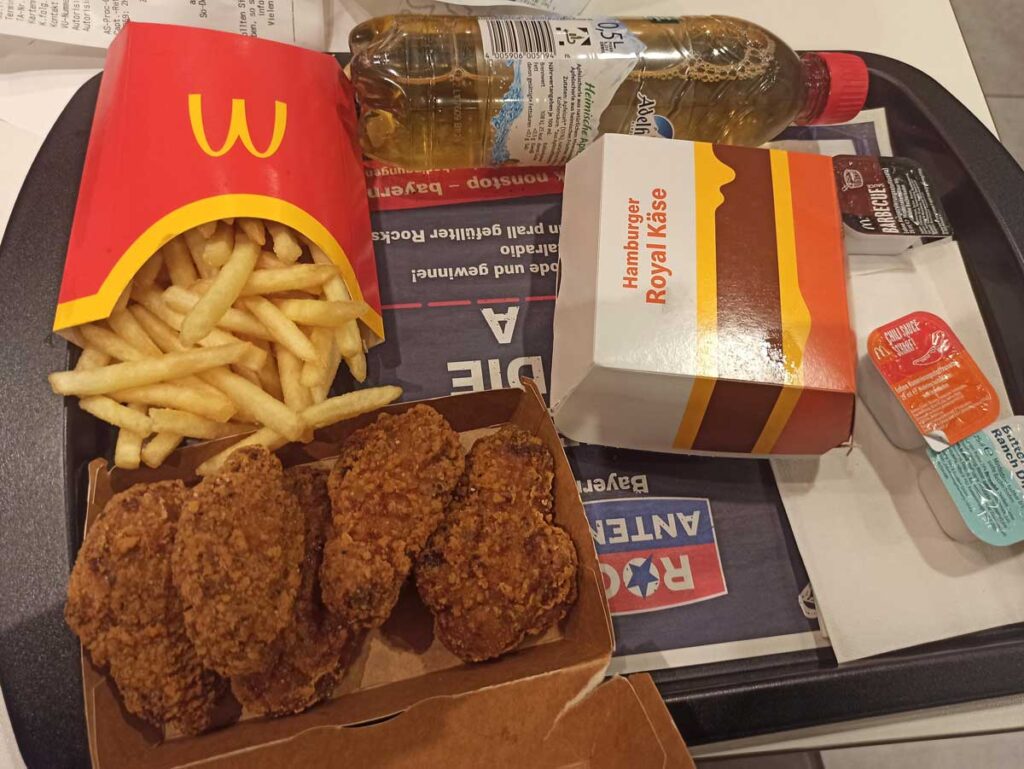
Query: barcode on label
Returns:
{"type": "Point", "coordinates": [517, 38]}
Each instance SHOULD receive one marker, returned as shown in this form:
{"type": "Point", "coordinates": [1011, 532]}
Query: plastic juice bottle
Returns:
{"type": "Point", "coordinates": [459, 91]}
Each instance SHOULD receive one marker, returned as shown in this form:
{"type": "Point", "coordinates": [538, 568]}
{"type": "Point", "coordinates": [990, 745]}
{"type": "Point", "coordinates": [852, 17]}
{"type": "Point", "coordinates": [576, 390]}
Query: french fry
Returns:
{"type": "Point", "coordinates": [349, 341]}
{"type": "Point", "coordinates": [165, 337]}
{"type": "Point", "coordinates": [262, 437]}
{"type": "Point", "coordinates": [315, 372]}
{"type": "Point", "coordinates": [321, 390]}
{"type": "Point", "coordinates": [149, 271]}
{"type": "Point", "coordinates": [223, 292]}
{"type": "Point", "coordinates": [357, 367]}
{"type": "Point", "coordinates": [219, 245]}
{"type": "Point", "coordinates": [253, 229]}
{"type": "Point", "coordinates": [91, 358]}
{"type": "Point", "coordinates": [127, 327]}
{"type": "Point", "coordinates": [112, 412]}
{"type": "Point", "coordinates": [189, 425]}
{"type": "Point", "coordinates": [347, 337]}
{"type": "Point", "coordinates": [120, 376]}
{"type": "Point", "coordinates": [176, 395]}
{"type": "Point", "coordinates": [270, 378]}
{"type": "Point", "coordinates": [249, 374]}
{"type": "Point", "coordinates": [296, 396]}
{"type": "Point", "coordinates": [269, 261]}
{"type": "Point", "coordinates": [153, 301]}
{"type": "Point", "coordinates": [122, 300]}
{"type": "Point", "coordinates": [159, 447]}
{"type": "Point", "coordinates": [267, 409]}
{"type": "Point", "coordinates": [73, 336]}
{"type": "Point", "coordinates": [167, 340]}
{"type": "Point", "coordinates": [286, 246]}
{"type": "Point", "coordinates": [206, 271]}
{"type": "Point", "coordinates": [349, 405]}
{"type": "Point", "coordinates": [316, 312]}
{"type": "Point", "coordinates": [128, 449]}
{"type": "Point", "coordinates": [180, 267]}
{"type": "Point", "coordinates": [298, 277]}
{"type": "Point", "coordinates": [207, 229]}
{"type": "Point", "coordinates": [284, 330]}
{"type": "Point", "coordinates": [254, 358]}
{"type": "Point", "coordinates": [106, 341]}
{"type": "Point", "coordinates": [196, 383]}
{"type": "Point", "coordinates": [320, 415]}
{"type": "Point", "coordinates": [196, 243]}
{"type": "Point", "coordinates": [239, 321]}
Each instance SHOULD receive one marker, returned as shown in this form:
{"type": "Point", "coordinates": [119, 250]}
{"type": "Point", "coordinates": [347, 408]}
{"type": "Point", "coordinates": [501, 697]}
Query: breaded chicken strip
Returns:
{"type": "Point", "coordinates": [311, 649]}
{"type": "Point", "coordinates": [123, 605]}
{"type": "Point", "coordinates": [498, 570]}
{"type": "Point", "coordinates": [388, 492]}
{"type": "Point", "coordinates": [236, 562]}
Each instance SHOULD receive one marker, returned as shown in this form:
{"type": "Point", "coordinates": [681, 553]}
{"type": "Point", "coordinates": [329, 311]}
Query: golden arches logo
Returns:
{"type": "Point", "coordinates": [238, 128]}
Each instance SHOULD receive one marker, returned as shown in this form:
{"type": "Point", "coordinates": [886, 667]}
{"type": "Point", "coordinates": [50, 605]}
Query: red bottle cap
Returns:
{"type": "Point", "coordinates": [848, 88]}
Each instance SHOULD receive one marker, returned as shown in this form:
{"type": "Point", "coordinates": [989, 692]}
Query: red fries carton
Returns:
{"type": "Point", "coordinates": [192, 126]}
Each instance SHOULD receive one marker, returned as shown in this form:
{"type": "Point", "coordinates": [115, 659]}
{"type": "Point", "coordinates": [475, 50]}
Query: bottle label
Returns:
{"type": "Point", "coordinates": [984, 475]}
{"type": "Point", "coordinates": [564, 74]}
{"type": "Point", "coordinates": [646, 119]}
{"type": "Point", "coordinates": [935, 378]}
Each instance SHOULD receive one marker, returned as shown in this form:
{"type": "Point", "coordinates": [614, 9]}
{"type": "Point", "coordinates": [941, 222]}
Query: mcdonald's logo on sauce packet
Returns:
{"type": "Point", "coordinates": [192, 126]}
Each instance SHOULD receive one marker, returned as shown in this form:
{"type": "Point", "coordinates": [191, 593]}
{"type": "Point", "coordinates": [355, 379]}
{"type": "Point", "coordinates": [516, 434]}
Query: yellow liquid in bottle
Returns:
{"type": "Point", "coordinates": [427, 93]}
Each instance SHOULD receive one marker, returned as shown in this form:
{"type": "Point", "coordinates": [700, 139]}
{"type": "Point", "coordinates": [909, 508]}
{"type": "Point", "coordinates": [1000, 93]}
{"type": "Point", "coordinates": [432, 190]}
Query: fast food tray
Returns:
{"type": "Point", "coordinates": [47, 444]}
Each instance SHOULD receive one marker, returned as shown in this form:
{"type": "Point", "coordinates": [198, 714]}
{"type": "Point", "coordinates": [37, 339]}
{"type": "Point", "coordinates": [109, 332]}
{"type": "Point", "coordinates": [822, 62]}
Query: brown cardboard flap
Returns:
{"type": "Point", "coordinates": [505, 724]}
{"type": "Point", "coordinates": [523, 724]}
{"type": "Point", "coordinates": [400, 664]}
{"type": "Point", "coordinates": [676, 754]}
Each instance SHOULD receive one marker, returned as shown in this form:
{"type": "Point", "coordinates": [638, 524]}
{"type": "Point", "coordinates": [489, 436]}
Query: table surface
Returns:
{"type": "Point", "coordinates": [37, 79]}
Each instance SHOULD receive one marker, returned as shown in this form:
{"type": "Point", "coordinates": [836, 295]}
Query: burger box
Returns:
{"type": "Point", "coordinates": [397, 665]}
{"type": "Point", "coordinates": [702, 300]}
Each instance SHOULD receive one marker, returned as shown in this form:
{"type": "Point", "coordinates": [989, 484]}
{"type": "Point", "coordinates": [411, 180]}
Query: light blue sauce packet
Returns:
{"type": "Point", "coordinates": [984, 476]}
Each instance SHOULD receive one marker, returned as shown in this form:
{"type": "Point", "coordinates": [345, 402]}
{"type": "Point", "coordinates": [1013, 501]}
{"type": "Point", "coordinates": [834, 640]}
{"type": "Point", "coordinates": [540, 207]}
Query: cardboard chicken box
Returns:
{"type": "Point", "coordinates": [529, 724]}
{"type": "Point", "coordinates": [702, 301]}
{"type": "Point", "coordinates": [396, 666]}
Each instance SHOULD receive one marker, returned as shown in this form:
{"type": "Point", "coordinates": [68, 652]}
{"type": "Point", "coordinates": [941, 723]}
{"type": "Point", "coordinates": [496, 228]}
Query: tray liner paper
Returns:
{"type": "Point", "coordinates": [194, 125]}
{"type": "Point", "coordinates": [400, 664]}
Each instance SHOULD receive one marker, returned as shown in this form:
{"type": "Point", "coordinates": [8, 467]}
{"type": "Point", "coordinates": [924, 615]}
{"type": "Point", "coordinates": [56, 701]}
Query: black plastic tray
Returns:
{"type": "Point", "coordinates": [46, 443]}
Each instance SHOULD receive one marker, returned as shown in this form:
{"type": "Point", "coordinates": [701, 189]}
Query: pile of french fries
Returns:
{"type": "Point", "coordinates": [236, 327]}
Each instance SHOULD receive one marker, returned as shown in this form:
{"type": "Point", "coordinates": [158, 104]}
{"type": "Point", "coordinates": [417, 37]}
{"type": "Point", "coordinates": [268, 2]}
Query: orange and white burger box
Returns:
{"type": "Point", "coordinates": [702, 301]}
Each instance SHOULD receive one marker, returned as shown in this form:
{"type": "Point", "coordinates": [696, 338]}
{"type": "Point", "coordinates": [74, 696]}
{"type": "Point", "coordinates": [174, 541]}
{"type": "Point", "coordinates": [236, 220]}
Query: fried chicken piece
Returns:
{"type": "Point", "coordinates": [311, 649]}
{"type": "Point", "coordinates": [123, 606]}
{"type": "Point", "coordinates": [388, 493]}
{"type": "Point", "coordinates": [497, 570]}
{"type": "Point", "coordinates": [236, 562]}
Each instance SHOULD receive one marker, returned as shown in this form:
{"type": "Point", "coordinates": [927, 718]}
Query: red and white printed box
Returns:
{"type": "Point", "coordinates": [702, 304]}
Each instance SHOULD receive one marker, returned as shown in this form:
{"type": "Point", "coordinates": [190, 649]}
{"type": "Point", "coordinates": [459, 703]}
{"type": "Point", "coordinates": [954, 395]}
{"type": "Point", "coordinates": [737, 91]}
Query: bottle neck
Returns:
{"type": "Point", "coordinates": [816, 87]}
